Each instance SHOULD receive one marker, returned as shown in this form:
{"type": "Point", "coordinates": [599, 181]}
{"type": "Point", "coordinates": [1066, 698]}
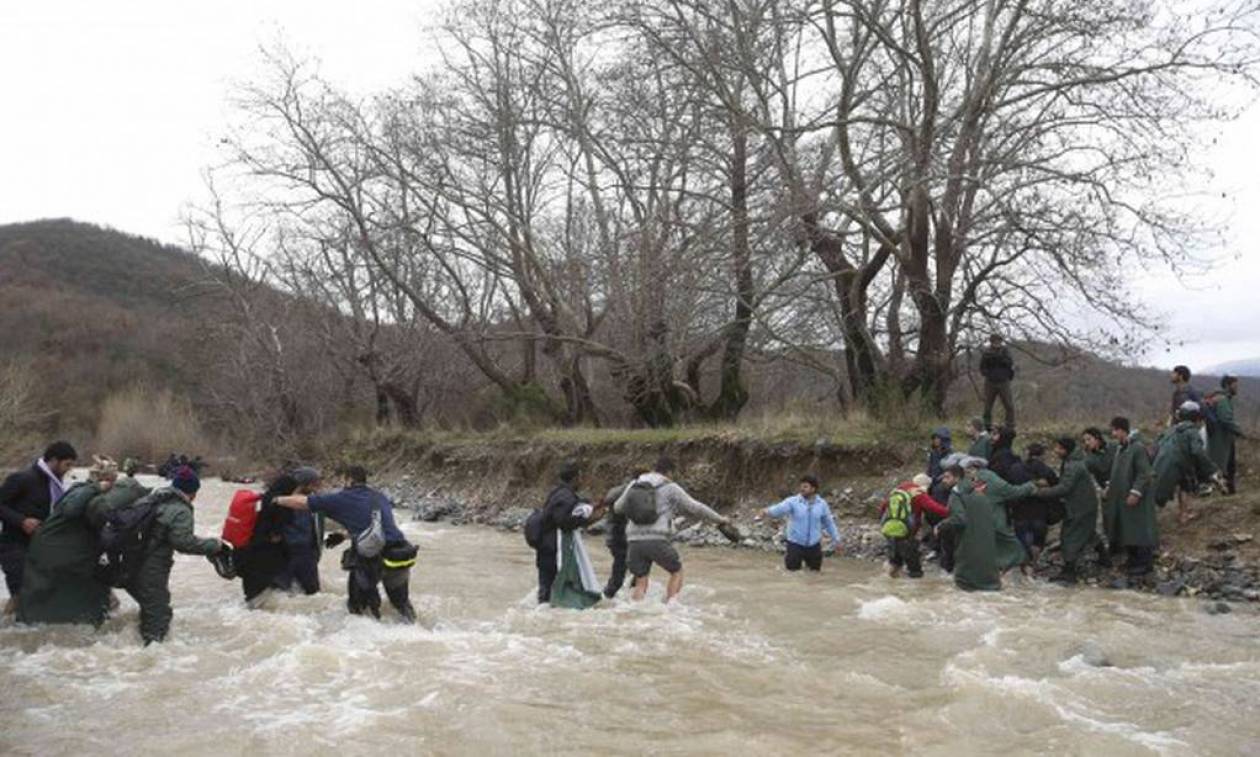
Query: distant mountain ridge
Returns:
{"type": "Point", "coordinates": [1244, 367]}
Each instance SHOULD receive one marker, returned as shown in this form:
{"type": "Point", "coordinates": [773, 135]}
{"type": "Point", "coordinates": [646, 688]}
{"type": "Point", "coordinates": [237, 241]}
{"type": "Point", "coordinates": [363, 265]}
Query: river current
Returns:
{"type": "Point", "coordinates": [752, 660]}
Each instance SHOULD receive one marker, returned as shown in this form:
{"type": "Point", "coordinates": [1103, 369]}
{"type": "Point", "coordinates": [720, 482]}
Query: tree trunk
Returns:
{"type": "Point", "coordinates": [732, 395]}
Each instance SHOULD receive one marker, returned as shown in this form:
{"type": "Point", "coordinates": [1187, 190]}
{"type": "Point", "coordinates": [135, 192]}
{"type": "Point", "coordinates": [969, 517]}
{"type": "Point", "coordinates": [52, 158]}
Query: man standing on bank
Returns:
{"type": "Point", "coordinates": [998, 370]}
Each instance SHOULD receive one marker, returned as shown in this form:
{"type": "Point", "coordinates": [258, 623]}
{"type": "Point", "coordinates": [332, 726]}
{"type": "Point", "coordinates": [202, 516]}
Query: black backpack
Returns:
{"type": "Point", "coordinates": [122, 538]}
{"type": "Point", "coordinates": [640, 507]}
{"type": "Point", "coordinates": [533, 528]}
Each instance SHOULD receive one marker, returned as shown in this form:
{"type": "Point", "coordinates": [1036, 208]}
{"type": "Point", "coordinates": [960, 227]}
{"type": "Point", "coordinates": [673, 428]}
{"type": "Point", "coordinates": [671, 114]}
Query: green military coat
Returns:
{"type": "Point", "coordinates": [1080, 499]}
{"type": "Point", "coordinates": [1131, 473]}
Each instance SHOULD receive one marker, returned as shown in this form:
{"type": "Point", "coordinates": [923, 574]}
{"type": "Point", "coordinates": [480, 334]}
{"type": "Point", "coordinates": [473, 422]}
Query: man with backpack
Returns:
{"type": "Point", "coordinates": [379, 554]}
{"type": "Point", "coordinates": [901, 515]}
{"type": "Point", "coordinates": [616, 537]}
{"type": "Point", "coordinates": [650, 504]}
{"type": "Point", "coordinates": [1181, 462]}
{"type": "Point", "coordinates": [808, 516]}
{"type": "Point", "coordinates": [26, 500]}
{"type": "Point", "coordinates": [164, 527]}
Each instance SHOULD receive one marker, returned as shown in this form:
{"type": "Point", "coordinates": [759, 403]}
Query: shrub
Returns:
{"type": "Point", "coordinates": [148, 425]}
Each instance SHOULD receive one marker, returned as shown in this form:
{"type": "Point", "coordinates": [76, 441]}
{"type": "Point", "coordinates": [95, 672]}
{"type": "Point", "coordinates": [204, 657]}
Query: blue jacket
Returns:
{"type": "Point", "coordinates": [806, 520]}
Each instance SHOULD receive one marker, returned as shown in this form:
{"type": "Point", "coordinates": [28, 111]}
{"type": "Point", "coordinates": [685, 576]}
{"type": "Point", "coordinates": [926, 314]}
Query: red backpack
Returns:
{"type": "Point", "coordinates": [238, 529]}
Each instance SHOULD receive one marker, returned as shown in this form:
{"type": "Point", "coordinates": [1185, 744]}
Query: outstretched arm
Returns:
{"type": "Point", "coordinates": [292, 501]}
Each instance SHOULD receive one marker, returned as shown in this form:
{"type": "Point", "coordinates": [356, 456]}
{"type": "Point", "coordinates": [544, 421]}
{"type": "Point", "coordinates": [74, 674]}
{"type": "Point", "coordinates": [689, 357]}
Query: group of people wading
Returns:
{"type": "Point", "coordinates": [65, 548]}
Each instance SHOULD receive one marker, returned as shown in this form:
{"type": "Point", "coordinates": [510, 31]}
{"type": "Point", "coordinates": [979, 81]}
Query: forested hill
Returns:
{"type": "Point", "coordinates": [90, 310]}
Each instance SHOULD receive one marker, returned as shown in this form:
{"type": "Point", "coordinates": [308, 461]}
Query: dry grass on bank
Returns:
{"type": "Point", "coordinates": [149, 425]}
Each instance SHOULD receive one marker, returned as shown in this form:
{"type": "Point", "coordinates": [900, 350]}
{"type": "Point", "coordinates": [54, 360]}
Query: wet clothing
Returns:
{"type": "Point", "coordinates": [1131, 473]}
{"type": "Point", "coordinates": [60, 583]}
{"type": "Point", "coordinates": [807, 520]}
{"type": "Point", "coordinates": [1008, 550]}
{"type": "Point", "coordinates": [303, 537]}
{"type": "Point", "coordinates": [24, 494]}
{"type": "Point", "coordinates": [171, 532]}
{"type": "Point", "coordinates": [265, 558]}
{"type": "Point", "coordinates": [671, 500]}
{"type": "Point", "coordinates": [971, 517]}
{"type": "Point", "coordinates": [1180, 457]}
{"type": "Point", "coordinates": [905, 552]}
{"type": "Point", "coordinates": [1080, 499]}
{"type": "Point", "coordinates": [1099, 462]}
{"type": "Point", "coordinates": [922, 505]}
{"type": "Point", "coordinates": [616, 543]}
{"type": "Point", "coordinates": [558, 514]}
{"type": "Point", "coordinates": [796, 554]}
{"type": "Point", "coordinates": [1223, 434]}
{"type": "Point", "coordinates": [998, 368]}
{"type": "Point", "coordinates": [352, 507]}
{"type": "Point", "coordinates": [575, 586]}
{"type": "Point", "coordinates": [644, 553]}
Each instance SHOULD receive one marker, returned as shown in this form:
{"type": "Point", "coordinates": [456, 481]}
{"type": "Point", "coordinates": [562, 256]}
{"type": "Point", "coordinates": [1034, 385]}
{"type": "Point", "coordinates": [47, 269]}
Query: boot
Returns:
{"type": "Point", "coordinates": [1067, 576]}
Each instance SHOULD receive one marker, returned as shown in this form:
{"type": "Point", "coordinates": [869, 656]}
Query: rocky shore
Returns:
{"type": "Point", "coordinates": [1219, 577]}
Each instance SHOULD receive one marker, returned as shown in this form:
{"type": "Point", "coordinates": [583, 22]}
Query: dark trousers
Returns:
{"type": "Point", "coordinates": [905, 551]}
{"type": "Point", "coordinates": [545, 561]}
{"type": "Point", "coordinates": [998, 391]}
{"type": "Point", "coordinates": [1141, 560]}
{"type": "Point", "coordinates": [945, 545]}
{"type": "Point", "coordinates": [617, 576]}
{"type": "Point", "coordinates": [1231, 468]}
{"type": "Point", "coordinates": [796, 554]}
{"type": "Point", "coordinates": [302, 566]}
{"type": "Point", "coordinates": [12, 561]}
{"type": "Point", "coordinates": [1031, 533]}
{"type": "Point", "coordinates": [362, 595]}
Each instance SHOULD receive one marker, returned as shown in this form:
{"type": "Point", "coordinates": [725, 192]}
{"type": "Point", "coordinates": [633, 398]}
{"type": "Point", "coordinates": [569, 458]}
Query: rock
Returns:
{"type": "Point", "coordinates": [1170, 588]}
{"type": "Point", "coordinates": [1217, 608]}
{"type": "Point", "coordinates": [1091, 654]}
{"type": "Point", "coordinates": [1242, 538]}
{"type": "Point", "coordinates": [1221, 544]}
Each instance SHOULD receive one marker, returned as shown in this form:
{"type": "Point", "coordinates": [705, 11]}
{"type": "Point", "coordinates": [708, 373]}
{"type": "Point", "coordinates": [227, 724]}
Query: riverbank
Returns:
{"type": "Point", "coordinates": [497, 481]}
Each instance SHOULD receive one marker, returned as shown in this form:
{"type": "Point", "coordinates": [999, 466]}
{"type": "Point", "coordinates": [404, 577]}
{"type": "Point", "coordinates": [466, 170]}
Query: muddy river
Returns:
{"type": "Point", "coordinates": [752, 660]}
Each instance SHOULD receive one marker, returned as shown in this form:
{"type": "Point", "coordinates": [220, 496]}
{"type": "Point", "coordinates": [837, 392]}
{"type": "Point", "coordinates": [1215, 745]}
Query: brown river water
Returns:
{"type": "Point", "coordinates": [752, 660]}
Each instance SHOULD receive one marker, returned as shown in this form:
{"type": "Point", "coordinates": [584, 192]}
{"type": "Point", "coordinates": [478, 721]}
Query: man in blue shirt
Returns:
{"type": "Point", "coordinates": [808, 516]}
{"type": "Point", "coordinates": [353, 507]}
{"type": "Point", "coordinates": [302, 534]}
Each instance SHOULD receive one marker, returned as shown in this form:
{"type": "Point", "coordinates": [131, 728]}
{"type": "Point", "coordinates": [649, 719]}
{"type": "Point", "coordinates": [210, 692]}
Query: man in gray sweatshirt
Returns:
{"type": "Point", "coordinates": [650, 543]}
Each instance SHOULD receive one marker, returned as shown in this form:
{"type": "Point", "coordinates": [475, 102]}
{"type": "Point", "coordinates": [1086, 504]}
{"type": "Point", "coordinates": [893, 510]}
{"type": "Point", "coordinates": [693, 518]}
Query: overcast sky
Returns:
{"type": "Point", "coordinates": [112, 110]}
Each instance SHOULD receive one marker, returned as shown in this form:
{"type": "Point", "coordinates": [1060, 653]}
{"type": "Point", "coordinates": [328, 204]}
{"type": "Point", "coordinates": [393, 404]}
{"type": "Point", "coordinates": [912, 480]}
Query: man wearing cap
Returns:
{"type": "Point", "coordinates": [302, 532]}
{"type": "Point", "coordinates": [171, 532]}
{"type": "Point", "coordinates": [26, 500]}
{"type": "Point", "coordinates": [808, 515]}
{"type": "Point", "coordinates": [998, 369]}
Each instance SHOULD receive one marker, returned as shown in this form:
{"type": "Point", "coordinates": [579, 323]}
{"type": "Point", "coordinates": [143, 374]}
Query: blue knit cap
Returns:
{"type": "Point", "coordinates": [185, 479]}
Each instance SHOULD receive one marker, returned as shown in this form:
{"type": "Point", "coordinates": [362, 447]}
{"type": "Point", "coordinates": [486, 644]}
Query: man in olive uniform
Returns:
{"type": "Point", "coordinates": [1080, 497]}
{"type": "Point", "coordinates": [1225, 431]}
{"type": "Point", "coordinates": [981, 442]}
{"type": "Point", "coordinates": [59, 584]}
{"type": "Point", "coordinates": [1130, 504]}
{"type": "Point", "coordinates": [970, 521]}
{"type": "Point", "coordinates": [1100, 453]}
{"type": "Point", "coordinates": [1008, 549]}
{"type": "Point", "coordinates": [170, 532]}
{"type": "Point", "coordinates": [1182, 458]}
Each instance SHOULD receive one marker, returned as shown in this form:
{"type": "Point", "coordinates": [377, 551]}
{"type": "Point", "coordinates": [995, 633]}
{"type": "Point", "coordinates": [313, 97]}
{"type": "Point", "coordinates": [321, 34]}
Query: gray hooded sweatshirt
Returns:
{"type": "Point", "coordinates": [671, 500]}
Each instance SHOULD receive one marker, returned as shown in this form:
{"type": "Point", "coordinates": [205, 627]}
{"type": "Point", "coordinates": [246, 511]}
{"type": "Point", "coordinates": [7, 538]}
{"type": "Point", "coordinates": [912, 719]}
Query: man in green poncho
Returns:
{"type": "Point", "coordinates": [1080, 496]}
{"type": "Point", "coordinates": [60, 583]}
{"type": "Point", "coordinates": [1129, 510]}
{"type": "Point", "coordinates": [971, 520]}
{"type": "Point", "coordinates": [1008, 550]}
{"type": "Point", "coordinates": [1100, 453]}
{"type": "Point", "coordinates": [1181, 459]}
{"type": "Point", "coordinates": [1224, 431]}
{"type": "Point", "coordinates": [981, 442]}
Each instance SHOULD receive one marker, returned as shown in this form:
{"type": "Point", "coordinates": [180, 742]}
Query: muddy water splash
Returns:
{"type": "Point", "coordinates": [752, 660]}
